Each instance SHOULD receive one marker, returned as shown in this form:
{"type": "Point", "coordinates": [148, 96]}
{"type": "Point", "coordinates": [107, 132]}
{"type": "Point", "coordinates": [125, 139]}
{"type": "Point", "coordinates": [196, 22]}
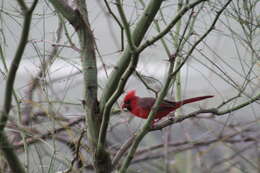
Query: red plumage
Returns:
{"type": "Point", "coordinates": [141, 107]}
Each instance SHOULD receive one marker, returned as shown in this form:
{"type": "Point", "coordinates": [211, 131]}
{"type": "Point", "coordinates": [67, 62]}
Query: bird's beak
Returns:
{"type": "Point", "coordinates": [125, 107]}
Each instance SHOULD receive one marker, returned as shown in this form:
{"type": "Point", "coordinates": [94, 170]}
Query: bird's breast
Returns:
{"type": "Point", "coordinates": [139, 112]}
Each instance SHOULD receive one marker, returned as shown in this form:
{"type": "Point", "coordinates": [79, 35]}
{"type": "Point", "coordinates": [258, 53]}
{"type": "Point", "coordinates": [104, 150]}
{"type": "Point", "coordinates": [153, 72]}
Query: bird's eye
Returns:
{"type": "Point", "coordinates": [127, 102]}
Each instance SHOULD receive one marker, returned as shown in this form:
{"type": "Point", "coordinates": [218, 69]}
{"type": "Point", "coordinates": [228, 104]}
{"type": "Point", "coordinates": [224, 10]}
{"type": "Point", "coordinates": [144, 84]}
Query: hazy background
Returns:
{"type": "Point", "coordinates": [219, 63]}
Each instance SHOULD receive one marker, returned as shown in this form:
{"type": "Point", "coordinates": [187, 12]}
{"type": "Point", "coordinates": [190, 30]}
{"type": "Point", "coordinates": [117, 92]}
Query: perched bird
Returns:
{"type": "Point", "coordinates": [141, 106]}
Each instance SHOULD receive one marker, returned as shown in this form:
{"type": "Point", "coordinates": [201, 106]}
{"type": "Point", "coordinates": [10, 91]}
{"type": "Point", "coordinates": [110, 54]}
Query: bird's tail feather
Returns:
{"type": "Point", "coordinates": [195, 99]}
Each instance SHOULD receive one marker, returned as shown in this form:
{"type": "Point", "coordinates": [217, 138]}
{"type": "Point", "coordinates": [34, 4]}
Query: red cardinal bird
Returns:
{"type": "Point", "coordinates": [141, 107]}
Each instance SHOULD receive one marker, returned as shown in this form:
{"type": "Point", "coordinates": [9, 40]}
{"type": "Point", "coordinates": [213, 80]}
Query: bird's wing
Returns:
{"type": "Point", "coordinates": [166, 105]}
{"type": "Point", "coordinates": [147, 103]}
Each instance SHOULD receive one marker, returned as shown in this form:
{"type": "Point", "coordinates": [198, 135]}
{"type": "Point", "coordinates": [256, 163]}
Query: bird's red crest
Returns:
{"type": "Point", "coordinates": [129, 95]}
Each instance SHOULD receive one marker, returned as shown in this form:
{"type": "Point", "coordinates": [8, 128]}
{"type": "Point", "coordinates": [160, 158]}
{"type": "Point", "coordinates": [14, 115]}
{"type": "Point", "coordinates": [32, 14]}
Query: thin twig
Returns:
{"type": "Point", "coordinates": [5, 146]}
{"type": "Point", "coordinates": [77, 151]}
